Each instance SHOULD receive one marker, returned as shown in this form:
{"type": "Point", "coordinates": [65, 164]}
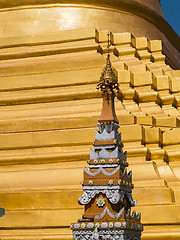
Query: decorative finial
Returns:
{"type": "Point", "coordinates": [108, 79]}
{"type": "Point", "coordinates": [108, 82]}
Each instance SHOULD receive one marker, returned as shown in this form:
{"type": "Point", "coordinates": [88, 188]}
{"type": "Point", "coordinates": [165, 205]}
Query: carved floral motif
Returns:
{"type": "Point", "coordinates": [113, 194]}
{"type": "Point", "coordinates": [100, 201]}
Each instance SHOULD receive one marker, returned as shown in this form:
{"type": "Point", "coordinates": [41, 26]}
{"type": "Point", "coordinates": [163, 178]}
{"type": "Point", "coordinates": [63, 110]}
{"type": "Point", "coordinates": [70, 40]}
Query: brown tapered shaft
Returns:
{"type": "Point", "coordinates": [108, 113]}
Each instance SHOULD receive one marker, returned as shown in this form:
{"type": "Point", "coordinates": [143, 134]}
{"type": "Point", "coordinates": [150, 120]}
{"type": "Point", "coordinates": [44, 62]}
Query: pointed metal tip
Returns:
{"type": "Point", "coordinates": [108, 79]}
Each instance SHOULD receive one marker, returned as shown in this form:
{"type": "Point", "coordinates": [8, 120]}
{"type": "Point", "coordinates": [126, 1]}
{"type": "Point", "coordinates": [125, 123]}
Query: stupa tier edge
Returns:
{"type": "Point", "coordinates": [33, 20]}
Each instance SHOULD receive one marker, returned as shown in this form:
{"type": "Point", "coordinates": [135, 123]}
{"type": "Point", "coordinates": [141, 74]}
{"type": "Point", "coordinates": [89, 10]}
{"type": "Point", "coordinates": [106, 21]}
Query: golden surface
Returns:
{"type": "Point", "coordinates": [49, 109]}
{"type": "Point", "coordinates": [27, 21]}
{"type": "Point", "coordinates": [51, 56]}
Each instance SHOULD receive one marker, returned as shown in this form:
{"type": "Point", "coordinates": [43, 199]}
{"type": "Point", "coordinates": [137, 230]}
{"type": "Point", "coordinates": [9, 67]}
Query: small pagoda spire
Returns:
{"type": "Point", "coordinates": [107, 185]}
{"type": "Point", "coordinates": [108, 82]}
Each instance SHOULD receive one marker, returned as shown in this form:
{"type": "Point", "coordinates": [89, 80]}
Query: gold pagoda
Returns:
{"type": "Point", "coordinates": [51, 56]}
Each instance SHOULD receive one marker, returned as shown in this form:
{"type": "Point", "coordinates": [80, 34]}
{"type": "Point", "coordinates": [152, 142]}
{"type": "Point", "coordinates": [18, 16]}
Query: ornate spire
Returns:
{"type": "Point", "coordinates": [108, 82]}
{"type": "Point", "coordinates": [108, 79]}
{"type": "Point", "coordinates": [107, 185]}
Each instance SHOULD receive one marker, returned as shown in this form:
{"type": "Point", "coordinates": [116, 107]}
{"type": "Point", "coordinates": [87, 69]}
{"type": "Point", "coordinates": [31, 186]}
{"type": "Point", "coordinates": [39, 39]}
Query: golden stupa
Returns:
{"type": "Point", "coordinates": [51, 58]}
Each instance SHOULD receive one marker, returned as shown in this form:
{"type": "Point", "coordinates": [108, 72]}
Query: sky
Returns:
{"type": "Point", "coordinates": [171, 11]}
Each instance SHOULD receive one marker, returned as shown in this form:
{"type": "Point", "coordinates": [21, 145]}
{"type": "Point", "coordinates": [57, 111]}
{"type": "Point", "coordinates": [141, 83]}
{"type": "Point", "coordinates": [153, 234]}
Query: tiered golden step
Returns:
{"type": "Point", "coordinates": [49, 109]}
